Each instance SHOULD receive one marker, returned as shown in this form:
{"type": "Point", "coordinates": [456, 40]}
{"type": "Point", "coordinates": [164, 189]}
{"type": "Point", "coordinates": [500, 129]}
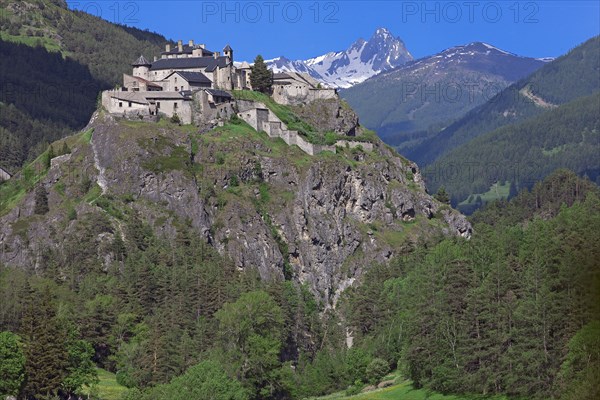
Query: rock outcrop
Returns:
{"type": "Point", "coordinates": [321, 220]}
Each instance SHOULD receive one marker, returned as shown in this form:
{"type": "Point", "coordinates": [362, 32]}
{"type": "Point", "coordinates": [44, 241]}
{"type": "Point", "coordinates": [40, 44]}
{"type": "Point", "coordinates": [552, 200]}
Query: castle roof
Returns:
{"type": "Point", "coordinates": [219, 93]}
{"type": "Point", "coordinates": [192, 77]}
{"type": "Point", "coordinates": [187, 49]}
{"type": "Point", "coordinates": [164, 95]}
{"type": "Point", "coordinates": [141, 62]}
{"type": "Point", "coordinates": [209, 63]}
{"type": "Point", "coordinates": [147, 82]}
{"type": "Point", "coordinates": [289, 77]}
{"type": "Point", "coordinates": [281, 75]}
{"type": "Point", "coordinates": [148, 97]}
{"type": "Point", "coordinates": [135, 97]}
{"type": "Point", "coordinates": [228, 48]}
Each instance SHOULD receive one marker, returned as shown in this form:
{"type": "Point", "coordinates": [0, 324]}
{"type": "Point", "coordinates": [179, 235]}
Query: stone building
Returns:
{"type": "Point", "coordinates": [296, 88]}
{"type": "Point", "coordinates": [4, 175]}
{"type": "Point", "coordinates": [167, 85]}
{"type": "Point", "coordinates": [186, 74]}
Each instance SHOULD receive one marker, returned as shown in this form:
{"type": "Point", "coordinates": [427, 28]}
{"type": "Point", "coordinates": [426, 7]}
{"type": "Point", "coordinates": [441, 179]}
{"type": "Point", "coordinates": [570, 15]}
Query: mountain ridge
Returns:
{"type": "Point", "coordinates": [408, 103]}
{"type": "Point", "coordinates": [562, 80]}
{"type": "Point", "coordinates": [361, 60]}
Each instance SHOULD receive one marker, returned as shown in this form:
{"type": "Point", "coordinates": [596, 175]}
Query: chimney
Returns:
{"type": "Point", "coordinates": [216, 54]}
{"type": "Point", "coordinates": [168, 48]}
{"type": "Point", "coordinates": [191, 43]}
{"type": "Point", "coordinates": [155, 58]}
{"type": "Point", "coordinates": [180, 46]}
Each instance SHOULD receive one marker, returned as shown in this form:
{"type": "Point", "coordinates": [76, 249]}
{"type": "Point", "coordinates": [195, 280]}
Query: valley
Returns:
{"type": "Point", "coordinates": [177, 224]}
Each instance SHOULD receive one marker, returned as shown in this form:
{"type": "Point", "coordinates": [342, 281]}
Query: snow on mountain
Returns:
{"type": "Point", "coordinates": [346, 68]}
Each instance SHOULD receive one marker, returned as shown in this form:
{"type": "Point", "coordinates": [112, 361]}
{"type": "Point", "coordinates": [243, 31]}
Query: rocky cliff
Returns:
{"type": "Point", "coordinates": [320, 220]}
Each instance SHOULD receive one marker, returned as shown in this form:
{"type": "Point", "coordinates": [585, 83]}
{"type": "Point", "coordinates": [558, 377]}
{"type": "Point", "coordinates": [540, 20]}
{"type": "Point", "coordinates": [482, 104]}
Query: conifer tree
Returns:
{"type": "Point", "coordinates": [46, 356]}
{"type": "Point", "coordinates": [41, 200]}
{"type": "Point", "coordinates": [442, 195]}
{"type": "Point", "coordinates": [12, 365]}
{"type": "Point", "coordinates": [50, 156]}
{"type": "Point", "coordinates": [65, 149]}
{"type": "Point", "coordinates": [261, 78]}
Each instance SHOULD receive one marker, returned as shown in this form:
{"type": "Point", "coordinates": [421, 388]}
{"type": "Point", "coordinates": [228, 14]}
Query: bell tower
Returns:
{"type": "Point", "coordinates": [228, 52]}
{"type": "Point", "coordinates": [141, 68]}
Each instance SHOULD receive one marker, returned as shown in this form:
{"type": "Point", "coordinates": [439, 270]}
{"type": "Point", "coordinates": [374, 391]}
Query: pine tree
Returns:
{"type": "Point", "coordinates": [65, 149]}
{"type": "Point", "coordinates": [46, 356]}
{"type": "Point", "coordinates": [442, 195]}
{"type": "Point", "coordinates": [50, 156]}
{"type": "Point", "coordinates": [513, 190]}
{"type": "Point", "coordinates": [41, 200]}
{"type": "Point", "coordinates": [261, 78]}
{"type": "Point", "coordinates": [12, 367]}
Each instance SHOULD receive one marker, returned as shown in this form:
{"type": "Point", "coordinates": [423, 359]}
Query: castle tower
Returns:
{"type": "Point", "coordinates": [141, 67]}
{"type": "Point", "coordinates": [228, 52]}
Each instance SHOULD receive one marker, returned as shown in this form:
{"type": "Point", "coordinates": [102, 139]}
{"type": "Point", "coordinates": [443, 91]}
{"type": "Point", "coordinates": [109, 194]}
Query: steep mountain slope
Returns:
{"type": "Point", "coordinates": [345, 68]}
{"type": "Point", "coordinates": [40, 105]}
{"type": "Point", "coordinates": [269, 207]}
{"type": "Point", "coordinates": [106, 48]}
{"type": "Point", "coordinates": [523, 153]}
{"type": "Point", "coordinates": [403, 103]}
{"type": "Point", "coordinates": [573, 75]}
{"type": "Point", "coordinates": [54, 61]}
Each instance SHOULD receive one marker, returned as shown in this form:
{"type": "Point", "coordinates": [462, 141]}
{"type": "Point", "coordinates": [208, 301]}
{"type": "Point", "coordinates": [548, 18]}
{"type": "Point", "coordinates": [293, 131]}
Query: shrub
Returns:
{"type": "Point", "coordinates": [376, 370]}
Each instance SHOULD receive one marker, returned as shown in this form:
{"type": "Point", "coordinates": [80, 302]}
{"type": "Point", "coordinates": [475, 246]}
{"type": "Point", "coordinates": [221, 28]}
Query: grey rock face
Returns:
{"type": "Point", "coordinates": [327, 218]}
{"type": "Point", "coordinates": [331, 115]}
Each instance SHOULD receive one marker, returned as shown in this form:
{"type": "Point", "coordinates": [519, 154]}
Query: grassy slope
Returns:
{"type": "Point", "coordinates": [107, 388]}
{"type": "Point", "coordinates": [293, 122]}
{"type": "Point", "coordinates": [403, 391]}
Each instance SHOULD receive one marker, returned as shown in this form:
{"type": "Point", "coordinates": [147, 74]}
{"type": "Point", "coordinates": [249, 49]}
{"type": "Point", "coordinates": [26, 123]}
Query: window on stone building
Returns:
{"type": "Point", "coordinates": [129, 104]}
{"type": "Point", "coordinates": [175, 106]}
{"type": "Point", "coordinates": [120, 104]}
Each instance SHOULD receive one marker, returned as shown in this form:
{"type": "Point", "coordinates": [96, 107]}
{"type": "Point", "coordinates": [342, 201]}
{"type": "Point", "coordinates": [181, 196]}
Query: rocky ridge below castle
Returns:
{"type": "Point", "coordinates": [320, 220]}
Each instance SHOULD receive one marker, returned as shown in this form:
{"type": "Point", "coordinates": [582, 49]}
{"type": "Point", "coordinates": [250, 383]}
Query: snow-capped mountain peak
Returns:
{"type": "Point", "coordinates": [363, 59]}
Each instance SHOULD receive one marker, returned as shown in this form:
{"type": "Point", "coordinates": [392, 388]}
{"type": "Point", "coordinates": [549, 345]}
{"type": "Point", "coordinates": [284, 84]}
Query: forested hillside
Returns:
{"type": "Point", "coordinates": [107, 49]}
{"type": "Point", "coordinates": [53, 64]}
{"type": "Point", "coordinates": [514, 310]}
{"type": "Point", "coordinates": [521, 154]}
{"type": "Point", "coordinates": [574, 75]}
{"type": "Point", "coordinates": [44, 97]}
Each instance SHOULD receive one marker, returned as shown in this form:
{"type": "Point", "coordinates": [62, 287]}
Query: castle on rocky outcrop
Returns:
{"type": "Point", "coordinates": [195, 83]}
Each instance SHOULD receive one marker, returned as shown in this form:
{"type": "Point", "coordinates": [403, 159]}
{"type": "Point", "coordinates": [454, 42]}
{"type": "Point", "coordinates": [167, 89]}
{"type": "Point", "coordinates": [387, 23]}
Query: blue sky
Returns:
{"type": "Point", "coordinates": [304, 29]}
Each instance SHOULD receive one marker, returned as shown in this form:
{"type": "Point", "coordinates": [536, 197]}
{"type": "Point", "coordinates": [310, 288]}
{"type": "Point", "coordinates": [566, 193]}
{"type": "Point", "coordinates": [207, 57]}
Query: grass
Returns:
{"type": "Point", "coordinates": [86, 136]}
{"type": "Point", "coordinates": [13, 190]}
{"type": "Point", "coordinates": [31, 41]}
{"type": "Point", "coordinates": [177, 160]}
{"type": "Point", "coordinates": [404, 391]}
{"type": "Point", "coordinates": [107, 388]}
{"type": "Point", "coordinates": [553, 151]}
{"type": "Point", "coordinates": [284, 113]}
{"type": "Point", "coordinates": [496, 192]}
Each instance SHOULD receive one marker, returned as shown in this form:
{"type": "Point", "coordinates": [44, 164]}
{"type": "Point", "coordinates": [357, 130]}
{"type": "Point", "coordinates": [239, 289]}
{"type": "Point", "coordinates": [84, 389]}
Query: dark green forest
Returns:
{"type": "Point", "coordinates": [44, 97]}
{"type": "Point", "coordinates": [512, 311]}
{"type": "Point", "coordinates": [509, 311]}
{"type": "Point", "coordinates": [524, 153]}
{"type": "Point", "coordinates": [52, 67]}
